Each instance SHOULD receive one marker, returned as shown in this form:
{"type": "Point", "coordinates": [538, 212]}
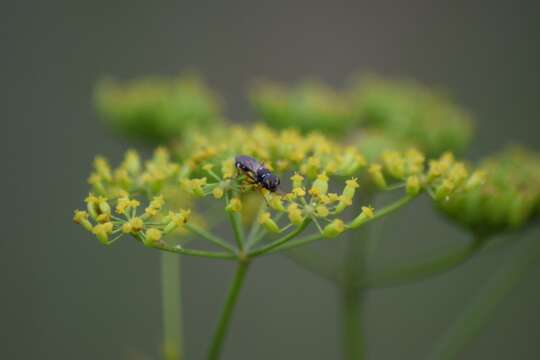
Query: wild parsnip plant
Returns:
{"type": "Point", "coordinates": [329, 183]}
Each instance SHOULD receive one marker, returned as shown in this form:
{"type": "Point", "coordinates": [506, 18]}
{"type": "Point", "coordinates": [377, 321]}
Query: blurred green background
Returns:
{"type": "Point", "coordinates": [64, 296]}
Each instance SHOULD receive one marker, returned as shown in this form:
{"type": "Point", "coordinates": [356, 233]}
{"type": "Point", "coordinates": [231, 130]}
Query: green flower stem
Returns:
{"type": "Point", "coordinates": [192, 252]}
{"type": "Point", "coordinates": [316, 237]}
{"type": "Point", "coordinates": [425, 268]}
{"type": "Point", "coordinates": [171, 306]}
{"type": "Point", "coordinates": [236, 223]}
{"type": "Point", "coordinates": [392, 207]}
{"type": "Point", "coordinates": [254, 235]}
{"type": "Point", "coordinates": [210, 237]}
{"type": "Point", "coordinates": [228, 308]}
{"type": "Point", "coordinates": [238, 230]}
{"type": "Point", "coordinates": [352, 292]}
{"type": "Point", "coordinates": [299, 242]}
{"type": "Point", "coordinates": [476, 315]}
{"type": "Point", "coordinates": [253, 232]}
{"type": "Point", "coordinates": [267, 248]}
{"type": "Point", "coordinates": [353, 342]}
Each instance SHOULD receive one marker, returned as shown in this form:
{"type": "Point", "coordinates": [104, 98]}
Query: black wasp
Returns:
{"type": "Point", "coordinates": [257, 172]}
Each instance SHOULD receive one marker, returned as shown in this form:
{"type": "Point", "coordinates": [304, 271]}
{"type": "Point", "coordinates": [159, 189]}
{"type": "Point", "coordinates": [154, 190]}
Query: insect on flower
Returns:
{"type": "Point", "coordinates": [257, 172]}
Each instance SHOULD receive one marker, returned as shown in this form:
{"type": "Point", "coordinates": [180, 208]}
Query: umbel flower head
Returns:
{"type": "Point", "coordinates": [308, 106]}
{"type": "Point", "coordinates": [509, 198]}
{"type": "Point", "coordinates": [319, 187]}
{"type": "Point", "coordinates": [409, 112]}
{"type": "Point", "coordinates": [155, 109]}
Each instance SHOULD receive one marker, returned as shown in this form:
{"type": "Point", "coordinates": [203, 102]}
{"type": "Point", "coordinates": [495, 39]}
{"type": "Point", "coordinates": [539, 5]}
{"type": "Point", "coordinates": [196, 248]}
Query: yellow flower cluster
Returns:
{"type": "Point", "coordinates": [147, 227]}
{"type": "Point", "coordinates": [320, 180]}
{"type": "Point", "coordinates": [442, 177]}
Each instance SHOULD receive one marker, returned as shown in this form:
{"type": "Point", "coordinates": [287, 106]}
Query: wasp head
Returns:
{"type": "Point", "coordinates": [268, 180]}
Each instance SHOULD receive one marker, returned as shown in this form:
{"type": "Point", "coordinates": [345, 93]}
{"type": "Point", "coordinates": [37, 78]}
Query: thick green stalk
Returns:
{"type": "Point", "coordinates": [353, 339]}
{"type": "Point", "coordinates": [228, 308]}
{"type": "Point", "coordinates": [171, 306]}
{"type": "Point", "coordinates": [352, 302]}
{"type": "Point", "coordinates": [477, 314]}
{"type": "Point", "coordinates": [352, 292]}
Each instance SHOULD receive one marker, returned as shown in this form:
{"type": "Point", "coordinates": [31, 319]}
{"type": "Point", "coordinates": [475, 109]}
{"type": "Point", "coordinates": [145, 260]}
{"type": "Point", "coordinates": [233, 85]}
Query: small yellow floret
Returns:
{"type": "Point", "coordinates": [234, 205]}
{"type": "Point", "coordinates": [333, 229]}
{"type": "Point", "coordinates": [217, 192]}
{"type": "Point", "coordinates": [153, 235]}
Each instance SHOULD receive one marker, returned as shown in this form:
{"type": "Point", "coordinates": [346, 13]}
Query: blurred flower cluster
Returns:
{"type": "Point", "coordinates": [509, 199]}
{"type": "Point", "coordinates": [310, 105]}
{"type": "Point", "coordinates": [156, 109]}
{"type": "Point", "coordinates": [403, 113]}
{"type": "Point", "coordinates": [412, 113]}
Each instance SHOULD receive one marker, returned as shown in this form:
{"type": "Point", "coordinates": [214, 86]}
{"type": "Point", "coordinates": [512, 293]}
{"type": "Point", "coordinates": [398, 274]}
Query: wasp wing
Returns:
{"type": "Point", "coordinates": [247, 163]}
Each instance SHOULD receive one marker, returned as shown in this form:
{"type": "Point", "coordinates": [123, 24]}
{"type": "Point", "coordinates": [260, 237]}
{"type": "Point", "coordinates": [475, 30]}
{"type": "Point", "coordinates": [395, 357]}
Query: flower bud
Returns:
{"type": "Point", "coordinates": [333, 229]}
{"type": "Point", "coordinates": [297, 180]}
{"type": "Point", "coordinates": [415, 160]}
{"type": "Point", "coordinates": [366, 214]}
{"type": "Point", "coordinates": [227, 169]}
{"type": "Point", "coordinates": [151, 236]}
{"type": "Point", "coordinates": [234, 205]}
{"type": "Point", "coordinates": [320, 185]}
{"type": "Point", "coordinates": [268, 223]}
{"type": "Point", "coordinates": [436, 169]}
{"type": "Point", "coordinates": [476, 179]}
{"type": "Point", "coordinates": [321, 211]}
{"type": "Point", "coordinates": [197, 186]}
{"type": "Point", "coordinates": [300, 192]}
{"type": "Point", "coordinates": [311, 167]}
{"type": "Point", "coordinates": [121, 177]}
{"type": "Point", "coordinates": [351, 161]}
{"type": "Point", "coordinates": [102, 168]}
{"type": "Point", "coordinates": [92, 205]}
{"type": "Point", "coordinates": [276, 203]}
{"type": "Point", "coordinates": [154, 207]}
{"type": "Point", "coordinates": [102, 232]}
{"type": "Point", "coordinates": [101, 218]}
{"type": "Point", "coordinates": [132, 163]}
{"type": "Point", "coordinates": [81, 217]}
{"type": "Point", "coordinates": [295, 214]}
{"type": "Point", "coordinates": [344, 202]}
{"type": "Point", "coordinates": [413, 185]}
{"type": "Point", "coordinates": [136, 224]}
{"type": "Point", "coordinates": [377, 176]}
{"type": "Point", "coordinates": [124, 203]}
{"type": "Point", "coordinates": [458, 174]}
{"type": "Point", "coordinates": [127, 228]}
{"type": "Point", "coordinates": [175, 220]}
{"type": "Point", "coordinates": [217, 192]}
{"type": "Point", "coordinates": [394, 163]}
{"type": "Point", "coordinates": [350, 188]}
{"type": "Point", "coordinates": [444, 189]}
